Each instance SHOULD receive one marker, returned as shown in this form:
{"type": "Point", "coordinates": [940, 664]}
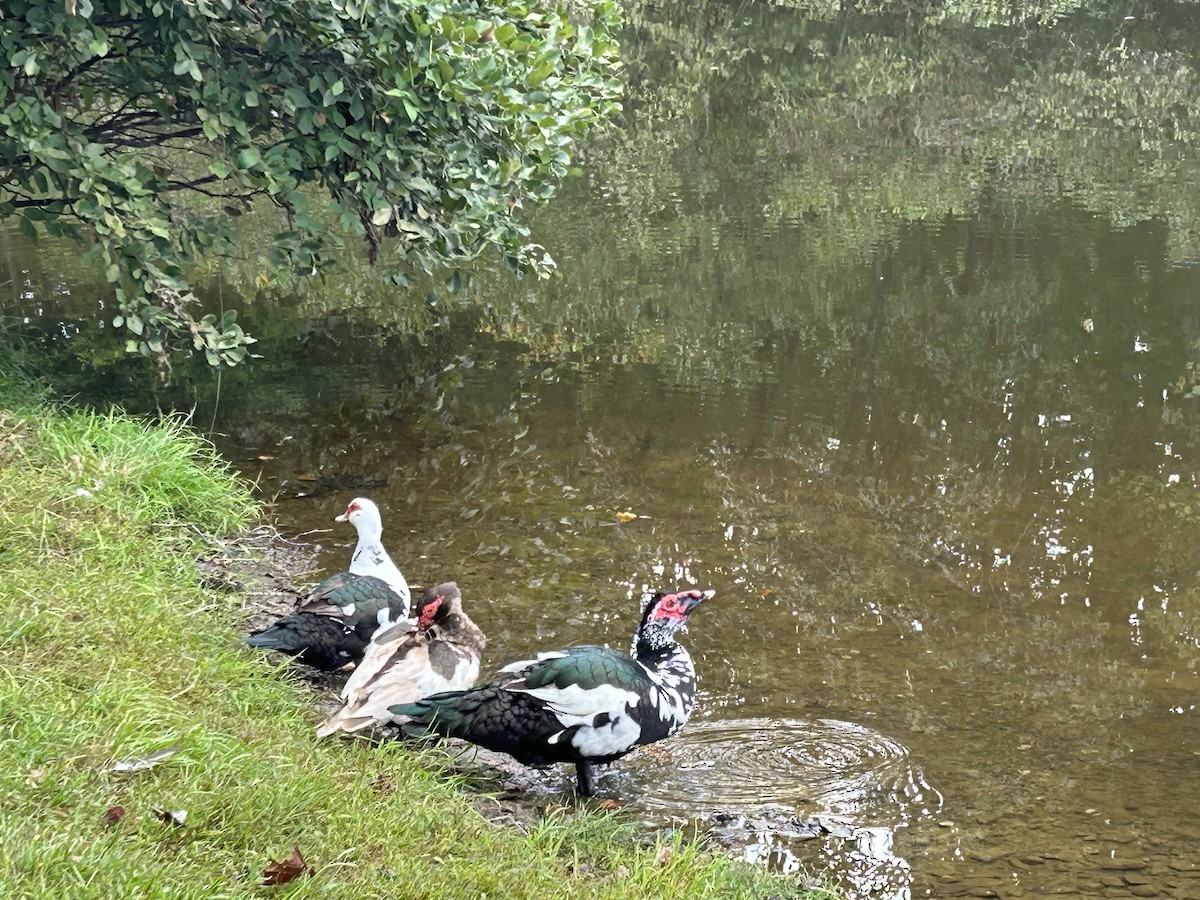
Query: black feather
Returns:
{"type": "Point", "coordinates": [321, 633]}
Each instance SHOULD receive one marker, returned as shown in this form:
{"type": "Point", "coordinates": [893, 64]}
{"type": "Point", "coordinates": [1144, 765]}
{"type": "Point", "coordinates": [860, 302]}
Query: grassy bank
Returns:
{"type": "Point", "coordinates": [111, 650]}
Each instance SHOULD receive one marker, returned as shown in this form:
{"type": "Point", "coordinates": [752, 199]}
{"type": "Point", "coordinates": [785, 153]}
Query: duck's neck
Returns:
{"type": "Point", "coordinates": [371, 559]}
{"type": "Point", "coordinates": [669, 655]}
{"type": "Point", "coordinates": [670, 667]}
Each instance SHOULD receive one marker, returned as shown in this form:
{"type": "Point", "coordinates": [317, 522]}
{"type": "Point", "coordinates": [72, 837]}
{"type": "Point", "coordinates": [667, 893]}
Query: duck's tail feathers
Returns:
{"type": "Point", "coordinates": [282, 639]}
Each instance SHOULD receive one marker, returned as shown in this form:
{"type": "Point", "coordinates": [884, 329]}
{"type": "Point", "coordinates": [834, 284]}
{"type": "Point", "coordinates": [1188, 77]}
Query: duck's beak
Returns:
{"type": "Point", "coordinates": [694, 599]}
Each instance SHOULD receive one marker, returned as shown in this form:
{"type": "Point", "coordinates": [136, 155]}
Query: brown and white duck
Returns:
{"type": "Point", "coordinates": [438, 651]}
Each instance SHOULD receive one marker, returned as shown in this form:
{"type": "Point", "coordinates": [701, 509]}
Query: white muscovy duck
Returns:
{"type": "Point", "coordinates": [331, 626]}
{"type": "Point", "coordinates": [438, 651]}
{"type": "Point", "coordinates": [583, 705]}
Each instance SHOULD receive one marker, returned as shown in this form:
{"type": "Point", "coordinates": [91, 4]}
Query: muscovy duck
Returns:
{"type": "Point", "coordinates": [583, 705]}
{"type": "Point", "coordinates": [332, 625]}
{"type": "Point", "coordinates": [369, 557]}
{"type": "Point", "coordinates": [439, 651]}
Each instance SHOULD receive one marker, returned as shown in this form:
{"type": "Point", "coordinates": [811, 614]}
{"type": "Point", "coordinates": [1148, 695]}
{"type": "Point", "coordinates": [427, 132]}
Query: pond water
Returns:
{"type": "Point", "coordinates": [885, 329]}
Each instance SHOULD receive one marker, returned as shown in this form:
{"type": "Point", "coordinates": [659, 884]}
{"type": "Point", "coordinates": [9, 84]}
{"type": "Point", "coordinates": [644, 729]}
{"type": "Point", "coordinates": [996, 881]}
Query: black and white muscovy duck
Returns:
{"type": "Point", "coordinates": [332, 625]}
{"type": "Point", "coordinates": [584, 705]}
{"type": "Point", "coordinates": [439, 651]}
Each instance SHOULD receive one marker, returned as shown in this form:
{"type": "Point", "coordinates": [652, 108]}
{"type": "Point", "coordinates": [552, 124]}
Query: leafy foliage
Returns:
{"type": "Point", "coordinates": [146, 126]}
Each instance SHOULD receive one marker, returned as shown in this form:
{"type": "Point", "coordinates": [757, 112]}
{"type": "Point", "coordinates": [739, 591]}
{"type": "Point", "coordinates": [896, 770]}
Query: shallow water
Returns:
{"type": "Point", "coordinates": [885, 331]}
{"type": "Point", "coordinates": [805, 794]}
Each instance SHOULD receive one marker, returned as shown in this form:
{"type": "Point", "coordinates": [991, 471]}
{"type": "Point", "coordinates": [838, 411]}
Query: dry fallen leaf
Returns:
{"type": "Point", "coordinates": [626, 516]}
{"type": "Point", "coordinates": [306, 477]}
{"type": "Point", "coordinates": [610, 804]}
{"type": "Point", "coordinates": [113, 815]}
{"type": "Point", "coordinates": [265, 457]}
{"type": "Point", "coordinates": [285, 870]}
{"type": "Point", "coordinates": [174, 817]}
{"type": "Point", "coordinates": [663, 856]}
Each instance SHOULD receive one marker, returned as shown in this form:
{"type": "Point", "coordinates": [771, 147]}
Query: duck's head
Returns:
{"type": "Point", "coordinates": [437, 603]}
{"type": "Point", "coordinates": [665, 614]}
{"type": "Point", "coordinates": [361, 513]}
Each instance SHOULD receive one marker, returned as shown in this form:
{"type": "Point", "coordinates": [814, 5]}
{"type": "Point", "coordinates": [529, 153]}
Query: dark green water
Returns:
{"type": "Point", "coordinates": [886, 329]}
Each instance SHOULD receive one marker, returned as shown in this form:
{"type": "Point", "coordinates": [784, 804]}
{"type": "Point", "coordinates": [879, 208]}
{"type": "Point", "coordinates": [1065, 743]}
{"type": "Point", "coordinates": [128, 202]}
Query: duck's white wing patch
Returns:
{"type": "Point", "coordinates": [616, 737]}
{"type": "Point", "coordinates": [601, 712]}
{"type": "Point", "coordinates": [522, 664]}
{"type": "Point", "coordinates": [574, 704]}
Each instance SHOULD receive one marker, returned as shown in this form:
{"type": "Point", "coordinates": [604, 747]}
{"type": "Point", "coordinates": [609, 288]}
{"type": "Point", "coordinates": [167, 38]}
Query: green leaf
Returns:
{"type": "Point", "coordinates": [249, 157]}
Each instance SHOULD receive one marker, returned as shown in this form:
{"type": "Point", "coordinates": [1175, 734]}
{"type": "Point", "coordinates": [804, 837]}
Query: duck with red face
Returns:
{"type": "Point", "coordinates": [437, 651]}
{"type": "Point", "coordinates": [583, 705]}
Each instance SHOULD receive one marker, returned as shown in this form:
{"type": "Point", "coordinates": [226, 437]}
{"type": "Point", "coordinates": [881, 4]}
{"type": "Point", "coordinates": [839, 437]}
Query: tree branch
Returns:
{"type": "Point", "coordinates": [209, 179]}
{"type": "Point", "coordinates": [156, 139]}
{"type": "Point", "coordinates": [26, 203]}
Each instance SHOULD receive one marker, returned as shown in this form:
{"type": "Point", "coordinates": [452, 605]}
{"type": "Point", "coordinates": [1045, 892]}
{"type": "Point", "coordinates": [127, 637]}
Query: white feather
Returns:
{"type": "Point", "coordinates": [386, 676]}
{"type": "Point", "coordinates": [616, 737]}
{"type": "Point", "coordinates": [574, 704]}
{"type": "Point", "coordinates": [522, 664]}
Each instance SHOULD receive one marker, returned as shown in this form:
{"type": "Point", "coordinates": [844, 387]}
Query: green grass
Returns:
{"type": "Point", "coordinates": [110, 649]}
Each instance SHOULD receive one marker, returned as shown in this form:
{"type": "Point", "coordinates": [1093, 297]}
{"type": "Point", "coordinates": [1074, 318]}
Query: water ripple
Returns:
{"type": "Point", "coordinates": [753, 765]}
{"type": "Point", "coordinates": [827, 792]}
